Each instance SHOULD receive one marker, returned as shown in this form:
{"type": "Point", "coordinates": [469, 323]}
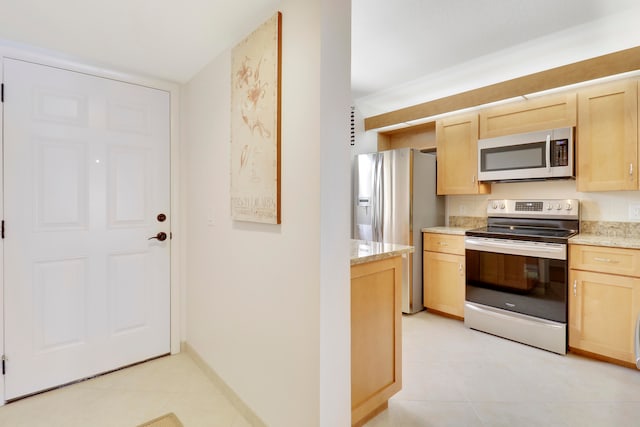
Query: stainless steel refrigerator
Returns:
{"type": "Point", "coordinates": [394, 199]}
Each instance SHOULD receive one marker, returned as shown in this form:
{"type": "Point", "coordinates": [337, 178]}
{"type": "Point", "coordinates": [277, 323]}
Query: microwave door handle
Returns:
{"type": "Point", "coordinates": [548, 152]}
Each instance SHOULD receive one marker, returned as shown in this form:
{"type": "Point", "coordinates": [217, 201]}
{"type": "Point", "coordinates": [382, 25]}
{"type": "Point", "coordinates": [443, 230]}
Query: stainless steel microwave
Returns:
{"type": "Point", "coordinates": [527, 156]}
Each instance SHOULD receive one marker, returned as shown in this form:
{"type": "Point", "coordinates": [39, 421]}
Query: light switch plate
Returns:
{"type": "Point", "coordinates": [211, 219]}
{"type": "Point", "coordinates": [634, 211]}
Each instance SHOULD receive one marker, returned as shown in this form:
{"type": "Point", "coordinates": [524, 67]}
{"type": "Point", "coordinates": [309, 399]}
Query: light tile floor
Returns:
{"type": "Point", "coordinates": [455, 376]}
{"type": "Point", "coordinates": [452, 376]}
{"type": "Point", "coordinates": [129, 397]}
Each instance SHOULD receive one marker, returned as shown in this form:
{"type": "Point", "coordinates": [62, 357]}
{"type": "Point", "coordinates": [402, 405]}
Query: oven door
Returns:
{"type": "Point", "coordinates": [520, 276]}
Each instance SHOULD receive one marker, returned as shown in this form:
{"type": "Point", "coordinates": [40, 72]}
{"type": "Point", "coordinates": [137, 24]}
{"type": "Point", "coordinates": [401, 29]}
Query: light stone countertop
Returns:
{"type": "Point", "coordinates": [446, 230]}
{"type": "Point", "coordinates": [363, 251]}
{"type": "Point", "coordinates": [599, 240]}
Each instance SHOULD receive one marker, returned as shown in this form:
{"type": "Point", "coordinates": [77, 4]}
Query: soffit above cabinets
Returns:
{"type": "Point", "coordinates": [616, 63]}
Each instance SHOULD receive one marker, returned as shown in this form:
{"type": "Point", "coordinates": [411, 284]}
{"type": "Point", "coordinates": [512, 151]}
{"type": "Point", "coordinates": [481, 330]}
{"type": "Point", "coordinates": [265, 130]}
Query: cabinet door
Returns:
{"type": "Point", "coordinates": [603, 309]}
{"type": "Point", "coordinates": [376, 335]}
{"type": "Point", "coordinates": [542, 113]}
{"type": "Point", "coordinates": [443, 283]}
{"type": "Point", "coordinates": [607, 147]}
{"type": "Point", "coordinates": [457, 151]}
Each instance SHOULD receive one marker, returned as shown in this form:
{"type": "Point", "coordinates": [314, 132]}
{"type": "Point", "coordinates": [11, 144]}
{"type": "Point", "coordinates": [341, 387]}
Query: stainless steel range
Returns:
{"type": "Point", "coordinates": [517, 271]}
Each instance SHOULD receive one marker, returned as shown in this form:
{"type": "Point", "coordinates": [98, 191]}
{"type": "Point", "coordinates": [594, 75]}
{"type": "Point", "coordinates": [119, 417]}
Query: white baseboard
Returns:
{"type": "Point", "coordinates": [227, 391]}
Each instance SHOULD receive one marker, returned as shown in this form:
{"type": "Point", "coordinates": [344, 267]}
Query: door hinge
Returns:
{"type": "Point", "coordinates": [2, 232]}
{"type": "Point", "coordinates": [1, 92]}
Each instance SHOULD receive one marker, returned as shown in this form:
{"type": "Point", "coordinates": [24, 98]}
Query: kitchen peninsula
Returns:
{"type": "Point", "coordinates": [376, 318]}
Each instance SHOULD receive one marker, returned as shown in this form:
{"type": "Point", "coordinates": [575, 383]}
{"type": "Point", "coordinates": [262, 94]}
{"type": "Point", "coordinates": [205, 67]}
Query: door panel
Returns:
{"type": "Point", "coordinates": [128, 187]}
{"type": "Point", "coordinates": [60, 105]}
{"type": "Point", "coordinates": [61, 192]}
{"type": "Point", "coordinates": [86, 171]}
{"type": "Point", "coordinates": [60, 306]}
{"type": "Point", "coordinates": [127, 290]}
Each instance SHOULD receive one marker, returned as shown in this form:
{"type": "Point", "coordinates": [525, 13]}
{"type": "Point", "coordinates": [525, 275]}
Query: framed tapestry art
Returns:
{"type": "Point", "coordinates": [255, 124]}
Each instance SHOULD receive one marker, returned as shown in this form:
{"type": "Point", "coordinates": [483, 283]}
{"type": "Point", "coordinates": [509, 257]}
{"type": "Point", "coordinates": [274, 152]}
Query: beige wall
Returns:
{"type": "Point", "coordinates": [267, 307]}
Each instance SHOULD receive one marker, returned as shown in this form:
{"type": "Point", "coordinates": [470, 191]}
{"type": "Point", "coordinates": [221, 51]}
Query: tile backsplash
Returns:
{"type": "Point", "coordinates": [607, 207]}
{"type": "Point", "coordinates": [467, 221]}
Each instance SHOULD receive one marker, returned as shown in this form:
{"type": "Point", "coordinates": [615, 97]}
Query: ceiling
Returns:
{"type": "Point", "coordinates": [393, 42]}
{"type": "Point", "coordinates": [167, 39]}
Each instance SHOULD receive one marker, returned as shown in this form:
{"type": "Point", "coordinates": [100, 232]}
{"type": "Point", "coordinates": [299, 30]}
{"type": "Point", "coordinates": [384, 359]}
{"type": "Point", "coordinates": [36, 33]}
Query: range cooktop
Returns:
{"type": "Point", "coordinates": [548, 220]}
{"type": "Point", "coordinates": [522, 232]}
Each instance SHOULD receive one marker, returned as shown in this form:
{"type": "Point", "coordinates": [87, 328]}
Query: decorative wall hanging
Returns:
{"type": "Point", "coordinates": [256, 65]}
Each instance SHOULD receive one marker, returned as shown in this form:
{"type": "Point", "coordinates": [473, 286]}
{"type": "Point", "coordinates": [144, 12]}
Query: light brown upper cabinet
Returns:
{"type": "Point", "coordinates": [547, 112]}
{"type": "Point", "coordinates": [457, 152]}
{"type": "Point", "coordinates": [607, 137]}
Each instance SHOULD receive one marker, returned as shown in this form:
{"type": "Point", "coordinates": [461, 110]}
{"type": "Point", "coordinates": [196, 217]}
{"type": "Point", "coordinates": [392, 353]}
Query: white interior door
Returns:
{"type": "Point", "coordinates": [86, 176]}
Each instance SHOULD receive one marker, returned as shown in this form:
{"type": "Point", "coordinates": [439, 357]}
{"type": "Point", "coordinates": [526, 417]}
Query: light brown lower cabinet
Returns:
{"type": "Point", "coordinates": [604, 301]}
{"type": "Point", "coordinates": [376, 336]}
{"type": "Point", "coordinates": [444, 274]}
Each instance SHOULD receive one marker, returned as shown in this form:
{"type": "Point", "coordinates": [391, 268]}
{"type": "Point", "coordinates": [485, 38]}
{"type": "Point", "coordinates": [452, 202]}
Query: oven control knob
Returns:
{"type": "Point", "coordinates": [494, 205]}
{"type": "Point", "coordinates": [549, 207]}
{"type": "Point", "coordinates": [568, 206]}
{"type": "Point", "coordinates": [501, 205]}
{"type": "Point", "coordinates": [558, 206]}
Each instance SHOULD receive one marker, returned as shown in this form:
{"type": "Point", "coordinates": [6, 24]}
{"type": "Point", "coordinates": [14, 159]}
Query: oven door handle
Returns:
{"type": "Point", "coordinates": [517, 247]}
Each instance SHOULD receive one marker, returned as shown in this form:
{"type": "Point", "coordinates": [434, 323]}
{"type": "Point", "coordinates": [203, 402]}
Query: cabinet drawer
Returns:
{"type": "Point", "coordinates": [445, 243]}
{"type": "Point", "coordinates": [605, 259]}
{"type": "Point", "coordinates": [542, 113]}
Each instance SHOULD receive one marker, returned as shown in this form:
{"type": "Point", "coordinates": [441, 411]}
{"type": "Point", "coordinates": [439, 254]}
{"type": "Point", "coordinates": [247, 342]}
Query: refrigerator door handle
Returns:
{"type": "Point", "coordinates": [374, 201]}
{"type": "Point", "coordinates": [379, 199]}
{"type": "Point", "coordinates": [637, 342]}
{"type": "Point", "coordinates": [381, 195]}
